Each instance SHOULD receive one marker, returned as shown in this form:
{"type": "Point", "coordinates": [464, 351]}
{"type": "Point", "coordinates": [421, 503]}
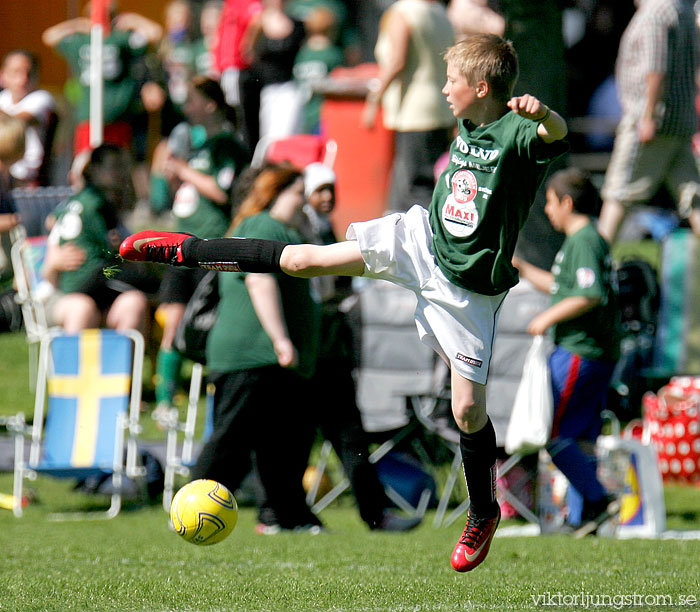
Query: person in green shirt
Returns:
{"type": "Point", "coordinates": [193, 174]}
{"type": "Point", "coordinates": [315, 60]}
{"type": "Point", "coordinates": [584, 319]}
{"type": "Point", "coordinates": [123, 50]}
{"type": "Point", "coordinates": [455, 256]}
{"type": "Point", "coordinates": [333, 380]}
{"type": "Point", "coordinates": [261, 353]}
{"type": "Point", "coordinates": [81, 251]}
{"type": "Point", "coordinates": [203, 47]}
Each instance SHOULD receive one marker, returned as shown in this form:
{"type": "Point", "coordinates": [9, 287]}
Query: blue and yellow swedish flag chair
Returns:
{"type": "Point", "coordinates": [86, 411]}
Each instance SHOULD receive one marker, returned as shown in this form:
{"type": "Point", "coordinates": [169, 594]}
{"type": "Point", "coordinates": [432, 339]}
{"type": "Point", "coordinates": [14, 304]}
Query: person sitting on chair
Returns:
{"type": "Point", "coordinates": [81, 252]}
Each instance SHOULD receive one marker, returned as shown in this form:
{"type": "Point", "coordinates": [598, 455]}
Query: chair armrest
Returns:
{"type": "Point", "coordinates": [16, 424]}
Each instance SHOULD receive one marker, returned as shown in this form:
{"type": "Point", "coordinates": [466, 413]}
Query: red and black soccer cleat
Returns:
{"type": "Point", "coordinates": [475, 542]}
{"type": "Point", "coordinates": [160, 247]}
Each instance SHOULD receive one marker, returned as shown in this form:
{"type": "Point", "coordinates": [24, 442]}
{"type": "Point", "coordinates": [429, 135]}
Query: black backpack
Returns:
{"type": "Point", "coordinates": [10, 311]}
{"type": "Point", "coordinates": [638, 294]}
{"type": "Point", "coordinates": [200, 316]}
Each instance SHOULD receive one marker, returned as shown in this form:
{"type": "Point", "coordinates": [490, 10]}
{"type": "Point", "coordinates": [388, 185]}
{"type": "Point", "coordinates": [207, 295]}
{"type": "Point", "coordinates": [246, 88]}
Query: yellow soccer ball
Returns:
{"type": "Point", "coordinates": [203, 512]}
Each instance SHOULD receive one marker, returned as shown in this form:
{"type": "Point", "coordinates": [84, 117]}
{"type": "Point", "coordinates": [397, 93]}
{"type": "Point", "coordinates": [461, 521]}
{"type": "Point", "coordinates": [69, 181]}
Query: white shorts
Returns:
{"type": "Point", "coordinates": [458, 324]}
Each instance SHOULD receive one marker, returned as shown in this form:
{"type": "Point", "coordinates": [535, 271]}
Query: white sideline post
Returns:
{"type": "Point", "coordinates": [98, 17]}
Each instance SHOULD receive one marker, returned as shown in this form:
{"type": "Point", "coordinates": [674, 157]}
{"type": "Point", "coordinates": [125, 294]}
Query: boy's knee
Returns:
{"type": "Point", "coordinates": [75, 312]}
{"type": "Point", "coordinates": [469, 414]}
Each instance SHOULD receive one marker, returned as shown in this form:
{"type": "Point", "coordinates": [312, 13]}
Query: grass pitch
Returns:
{"type": "Point", "coordinates": [135, 563]}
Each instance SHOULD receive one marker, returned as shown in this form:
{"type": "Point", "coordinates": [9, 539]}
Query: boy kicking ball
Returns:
{"type": "Point", "coordinates": [456, 256]}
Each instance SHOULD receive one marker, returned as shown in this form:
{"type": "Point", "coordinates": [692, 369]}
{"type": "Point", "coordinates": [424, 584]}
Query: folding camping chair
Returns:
{"type": "Point", "coordinates": [433, 412]}
{"type": "Point", "coordinates": [379, 453]}
{"type": "Point", "coordinates": [510, 346]}
{"type": "Point", "coordinates": [35, 204]}
{"type": "Point", "coordinates": [89, 390]}
{"type": "Point", "coordinates": [27, 258]}
{"type": "Point", "coordinates": [300, 149]}
{"type": "Point", "coordinates": [180, 461]}
{"type": "Point", "coordinates": [431, 408]}
{"type": "Point", "coordinates": [393, 363]}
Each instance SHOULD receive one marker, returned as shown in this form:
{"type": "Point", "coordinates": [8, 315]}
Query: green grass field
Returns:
{"type": "Point", "coordinates": [135, 563]}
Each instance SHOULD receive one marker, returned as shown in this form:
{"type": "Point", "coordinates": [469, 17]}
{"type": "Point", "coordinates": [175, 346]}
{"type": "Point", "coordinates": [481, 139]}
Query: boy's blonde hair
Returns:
{"type": "Point", "coordinates": [11, 139]}
{"type": "Point", "coordinates": [486, 57]}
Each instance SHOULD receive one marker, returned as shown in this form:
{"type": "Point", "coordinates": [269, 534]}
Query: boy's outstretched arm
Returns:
{"type": "Point", "coordinates": [551, 125]}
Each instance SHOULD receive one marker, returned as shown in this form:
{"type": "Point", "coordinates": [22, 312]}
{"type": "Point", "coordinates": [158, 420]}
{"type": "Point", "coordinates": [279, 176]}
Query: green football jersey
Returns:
{"type": "Point", "coordinates": [202, 58]}
{"type": "Point", "coordinates": [238, 341]}
{"type": "Point", "coordinates": [121, 49]}
{"type": "Point", "coordinates": [85, 220]}
{"type": "Point", "coordinates": [482, 200]}
{"type": "Point", "coordinates": [223, 157]}
{"type": "Point", "coordinates": [583, 267]}
{"type": "Point", "coordinates": [311, 66]}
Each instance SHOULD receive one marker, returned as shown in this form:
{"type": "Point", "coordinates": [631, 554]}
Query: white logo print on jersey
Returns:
{"type": "Point", "coordinates": [459, 214]}
{"type": "Point", "coordinates": [585, 277]}
{"type": "Point", "coordinates": [186, 200]}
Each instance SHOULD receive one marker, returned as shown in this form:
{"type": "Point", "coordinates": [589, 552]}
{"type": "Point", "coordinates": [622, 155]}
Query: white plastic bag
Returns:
{"type": "Point", "coordinates": [531, 419]}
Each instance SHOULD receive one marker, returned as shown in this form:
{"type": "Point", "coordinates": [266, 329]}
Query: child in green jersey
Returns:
{"type": "Point", "coordinates": [584, 318]}
{"type": "Point", "coordinates": [193, 173]}
{"type": "Point", "coordinates": [456, 256]}
{"type": "Point", "coordinates": [82, 245]}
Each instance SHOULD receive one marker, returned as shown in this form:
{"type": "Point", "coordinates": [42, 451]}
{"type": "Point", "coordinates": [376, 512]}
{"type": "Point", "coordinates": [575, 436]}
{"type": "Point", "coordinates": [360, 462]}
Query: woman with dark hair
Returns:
{"type": "Point", "coordinates": [22, 98]}
{"type": "Point", "coordinates": [260, 354]}
{"type": "Point", "coordinates": [193, 174]}
{"type": "Point", "coordinates": [83, 243]}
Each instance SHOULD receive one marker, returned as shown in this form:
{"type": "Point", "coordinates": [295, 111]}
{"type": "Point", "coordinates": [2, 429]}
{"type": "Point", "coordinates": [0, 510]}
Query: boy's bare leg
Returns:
{"type": "Point", "coordinates": [477, 443]}
{"type": "Point", "coordinates": [75, 312]}
{"type": "Point", "coordinates": [128, 311]}
{"type": "Point", "coordinates": [308, 260]}
{"type": "Point", "coordinates": [468, 403]}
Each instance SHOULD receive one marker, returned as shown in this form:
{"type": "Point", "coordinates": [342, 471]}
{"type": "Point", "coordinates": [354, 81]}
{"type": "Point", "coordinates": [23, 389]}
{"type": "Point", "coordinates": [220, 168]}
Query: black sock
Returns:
{"type": "Point", "coordinates": [233, 254]}
{"type": "Point", "coordinates": [479, 462]}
